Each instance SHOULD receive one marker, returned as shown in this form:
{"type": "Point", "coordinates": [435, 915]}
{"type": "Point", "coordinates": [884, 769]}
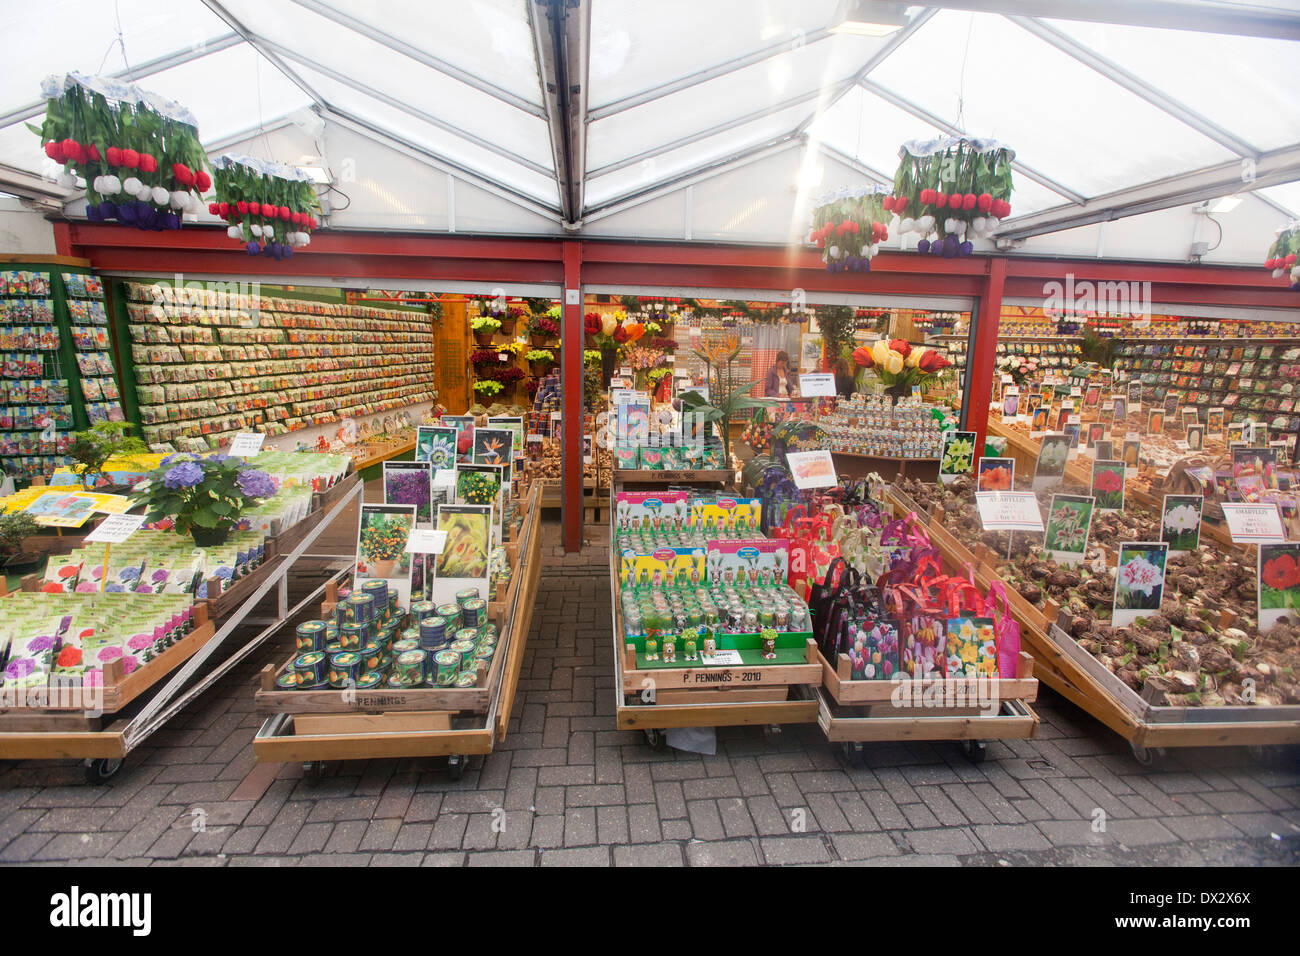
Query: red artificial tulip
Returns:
{"type": "Point", "coordinates": [202, 180]}
{"type": "Point", "coordinates": [54, 150]}
{"type": "Point", "coordinates": [1290, 259]}
{"type": "Point", "coordinates": [255, 208]}
{"type": "Point", "coordinates": [900, 346]}
{"type": "Point", "coordinates": [284, 213]}
{"type": "Point", "coordinates": [888, 203]}
{"type": "Point", "coordinates": [223, 210]}
{"type": "Point", "coordinates": [92, 152]}
{"type": "Point", "coordinates": [296, 218]}
{"type": "Point", "coordinates": [927, 196]}
{"type": "Point", "coordinates": [148, 164]}
{"type": "Point", "coordinates": [940, 200]}
{"type": "Point", "coordinates": [182, 174]}
{"type": "Point", "coordinates": [114, 156]}
{"type": "Point", "coordinates": [968, 201]}
{"type": "Point", "coordinates": [242, 207]}
{"type": "Point", "coordinates": [900, 205]}
{"type": "Point", "coordinates": [862, 357]}
{"type": "Point", "coordinates": [130, 158]}
{"type": "Point", "coordinates": [214, 209]}
{"type": "Point", "coordinates": [984, 202]}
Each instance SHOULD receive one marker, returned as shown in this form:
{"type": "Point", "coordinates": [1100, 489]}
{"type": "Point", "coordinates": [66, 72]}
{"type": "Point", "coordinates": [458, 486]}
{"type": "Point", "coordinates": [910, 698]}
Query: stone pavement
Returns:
{"type": "Point", "coordinates": [567, 789]}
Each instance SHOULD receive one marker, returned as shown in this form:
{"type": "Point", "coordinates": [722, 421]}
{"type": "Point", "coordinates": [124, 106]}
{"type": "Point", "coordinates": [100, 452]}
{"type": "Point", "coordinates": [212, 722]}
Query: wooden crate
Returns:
{"type": "Point", "coordinates": [222, 600]}
{"type": "Point", "coordinates": [324, 500]}
{"type": "Point", "coordinates": [844, 690]}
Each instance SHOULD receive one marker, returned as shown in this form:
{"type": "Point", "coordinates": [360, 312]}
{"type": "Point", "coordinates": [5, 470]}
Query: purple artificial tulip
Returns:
{"type": "Point", "coordinates": [252, 248]}
{"type": "Point", "coordinates": [288, 252]}
{"type": "Point", "coordinates": [127, 212]}
{"type": "Point", "coordinates": [966, 248]}
{"type": "Point", "coordinates": [866, 265]}
{"type": "Point", "coordinates": [107, 210]}
{"type": "Point", "coordinates": [923, 245]}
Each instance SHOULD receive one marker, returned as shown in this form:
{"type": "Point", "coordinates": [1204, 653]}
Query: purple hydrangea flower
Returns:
{"type": "Point", "coordinates": [255, 484]}
{"type": "Point", "coordinates": [185, 475]}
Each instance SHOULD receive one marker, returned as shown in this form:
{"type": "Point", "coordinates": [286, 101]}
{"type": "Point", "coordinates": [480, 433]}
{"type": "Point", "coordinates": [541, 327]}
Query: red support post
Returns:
{"type": "Point", "coordinates": [571, 397]}
{"type": "Point", "coordinates": [981, 365]}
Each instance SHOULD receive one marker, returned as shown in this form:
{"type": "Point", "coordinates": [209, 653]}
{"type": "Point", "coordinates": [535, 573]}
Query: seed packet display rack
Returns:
{"type": "Point", "coordinates": [656, 698]}
{"type": "Point", "coordinates": [1073, 673]}
{"type": "Point", "coordinates": [136, 706]}
{"type": "Point", "coordinates": [313, 727]}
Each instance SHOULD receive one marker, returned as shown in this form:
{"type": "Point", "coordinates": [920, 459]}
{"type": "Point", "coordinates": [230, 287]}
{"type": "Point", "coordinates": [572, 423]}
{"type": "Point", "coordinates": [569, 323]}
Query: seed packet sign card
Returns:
{"type": "Point", "coordinates": [463, 562]}
{"type": "Point", "coordinates": [382, 534]}
{"type": "Point", "coordinates": [1105, 448]}
{"type": "Point", "coordinates": [1132, 453]}
{"type": "Point", "coordinates": [1038, 424]}
{"type": "Point", "coordinates": [1053, 453]}
{"type": "Point", "coordinates": [1139, 581]}
{"type": "Point", "coordinates": [1069, 519]}
{"type": "Point", "coordinates": [438, 445]}
{"type": "Point", "coordinates": [492, 446]}
{"type": "Point", "coordinates": [996, 474]}
{"type": "Point", "coordinates": [1279, 584]}
{"type": "Point", "coordinates": [1180, 522]}
{"type": "Point", "coordinates": [1011, 402]}
{"type": "Point", "coordinates": [812, 469]}
{"type": "Point", "coordinates": [1195, 437]}
{"type": "Point", "coordinates": [1214, 421]}
{"type": "Point", "coordinates": [1108, 485]}
{"type": "Point", "coordinates": [410, 483]}
{"type": "Point", "coordinates": [957, 457]}
{"type": "Point", "coordinates": [482, 485]}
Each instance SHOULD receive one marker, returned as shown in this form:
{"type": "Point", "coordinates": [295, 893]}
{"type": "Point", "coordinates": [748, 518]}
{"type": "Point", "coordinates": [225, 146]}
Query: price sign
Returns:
{"type": "Point", "coordinates": [817, 385]}
{"type": "Point", "coordinates": [812, 469]}
{"type": "Point", "coordinates": [423, 541]}
{"type": "Point", "coordinates": [1254, 523]}
{"type": "Point", "coordinates": [115, 529]}
{"type": "Point", "coordinates": [246, 444]}
{"type": "Point", "coordinates": [1009, 510]}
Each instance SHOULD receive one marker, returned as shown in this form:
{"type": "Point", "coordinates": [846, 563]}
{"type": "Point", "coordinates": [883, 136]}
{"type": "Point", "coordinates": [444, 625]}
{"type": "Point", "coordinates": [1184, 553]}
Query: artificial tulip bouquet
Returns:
{"type": "Point", "coordinates": [898, 364]}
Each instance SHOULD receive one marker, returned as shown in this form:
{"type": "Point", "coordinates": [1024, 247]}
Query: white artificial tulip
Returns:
{"type": "Point", "coordinates": [160, 196]}
{"type": "Point", "coordinates": [1278, 273]}
{"type": "Point", "coordinates": [177, 200]}
{"type": "Point", "coordinates": [961, 229]}
{"type": "Point", "coordinates": [257, 231]}
{"type": "Point", "coordinates": [112, 186]}
{"type": "Point", "coordinates": [97, 184]}
{"type": "Point", "coordinates": [925, 224]}
{"type": "Point", "coordinates": [979, 225]}
{"type": "Point", "coordinates": [233, 232]}
{"type": "Point", "coordinates": [1295, 272]}
{"type": "Point", "coordinates": [875, 249]}
{"type": "Point", "coordinates": [834, 252]}
{"type": "Point", "coordinates": [131, 185]}
{"type": "Point", "coordinates": [907, 225]}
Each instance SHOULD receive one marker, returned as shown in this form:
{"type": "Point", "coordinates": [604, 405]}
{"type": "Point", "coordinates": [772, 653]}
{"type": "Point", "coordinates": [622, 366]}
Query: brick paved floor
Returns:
{"type": "Point", "coordinates": [570, 790]}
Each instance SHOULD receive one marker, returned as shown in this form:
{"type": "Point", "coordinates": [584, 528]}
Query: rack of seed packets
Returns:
{"type": "Point", "coordinates": [88, 326]}
{"type": "Point", "coordinates": [35, 407]}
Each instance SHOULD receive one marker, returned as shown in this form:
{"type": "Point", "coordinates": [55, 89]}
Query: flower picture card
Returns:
{"type": "Point", "coordinates": [1195, 437]}
{"type": "Point", "coordinates": [957, 457]}
{"type": "Point", "coordinates": [1069, 519]}
{"type": "Point", "coordinates": [996, 474]}
{"type": "Point", "coordinates": [1132, 453]}
{"type": "Point", "coordinates": [492, 446]}
{"type": "Point", "coordinates": [1108, 485]}
{"type": "Point", "coordinates": [464, 561]}
{"type": "Point", "coordinates": [382, 533]}
{"type": "Point", "coordinates": [1053, 453]}
{"type": "Point", "coordinates": [1180, 522]}
{"type": "Point", "coordinates": [1139, 581]}
{"type": "Point", "coordinates": [410, 483]}
{"type": "Point", "coordinates": [1279, 584]}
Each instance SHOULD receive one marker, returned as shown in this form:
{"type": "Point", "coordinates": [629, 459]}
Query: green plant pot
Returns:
{"type": "Point", "coordinates": [208, 537]}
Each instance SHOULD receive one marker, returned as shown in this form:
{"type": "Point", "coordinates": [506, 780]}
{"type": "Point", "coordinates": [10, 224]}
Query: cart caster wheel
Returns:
{"type": "Point", "coordinates": [656, 739]}
{"type": "Point", "coordinates": [314, 769]}
{"type": "Point", "coordinates": [1148, 756]}
{"type": "Point", "coordinates": [456, 766]}
{"type": "Point", "coordinates": [771, 730]}
{"type": "Point", "coordinates": [102, 769]}
{"type": "Point", "coordinates": [975, 750]}
{"type": "Point", "coordinates": [1274, 756]}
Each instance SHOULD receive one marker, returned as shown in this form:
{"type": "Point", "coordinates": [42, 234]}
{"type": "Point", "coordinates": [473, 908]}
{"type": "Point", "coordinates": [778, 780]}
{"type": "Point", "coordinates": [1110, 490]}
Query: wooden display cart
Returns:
{"type": "Point", "coordinates": [654, 699]}
{"type": "Point", "coordinates": [133, 707]}
{"type": "Point", "coordinates": [1076, 676]}
{"type": "Point", "coordinates": [316, 726]}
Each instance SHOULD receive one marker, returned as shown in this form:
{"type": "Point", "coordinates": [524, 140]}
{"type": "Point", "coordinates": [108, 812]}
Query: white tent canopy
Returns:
{"type": "Point", "coordinates": [714, 120]}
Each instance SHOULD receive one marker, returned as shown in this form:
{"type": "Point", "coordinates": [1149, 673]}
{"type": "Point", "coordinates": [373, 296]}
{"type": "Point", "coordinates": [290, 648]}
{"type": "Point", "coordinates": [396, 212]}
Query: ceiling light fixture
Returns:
{"type": "Point", "coordinates": [872, 18]}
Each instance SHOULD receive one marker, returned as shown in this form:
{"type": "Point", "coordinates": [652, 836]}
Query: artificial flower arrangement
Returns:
{"type": "Point", "coordinates": [136, 154]}
{"type": "Point", "coordinates": [954, 189]}
{"type": "Point", "coordinates": [898, 364]}
{"type": "Point", "coordinates": [204, 497]}
{"type": "Point", "coordinates": [540, 356]}
{"type": "Point", "coordinates": [488, 386]}
{"type": "Point", "coordinates": [485, 325]}
{"type": "Point", "coordinates": [271, 207]}
{"type": "Point", "coordinates": [1284, 253]}
{"type": "Point", "coordinates": [848, 227]}
{"type": "Point", "coordinates": [542, 328]}
{"type": "Point", "coordinates": [1019, 367]}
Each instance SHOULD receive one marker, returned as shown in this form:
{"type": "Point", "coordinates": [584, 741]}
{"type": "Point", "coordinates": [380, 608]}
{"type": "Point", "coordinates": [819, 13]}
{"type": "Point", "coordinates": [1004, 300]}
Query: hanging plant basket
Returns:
{"type": "Point", "coordinates": [1284, 255]}
{"type": "Point", "coordinates": [951, 192]}
{"type": "Point", "coordinates": [136, 154]}
{"type": "Point", "coordinates": [271, 207]}
{"type": "Point", "coordinates": [848, 227]}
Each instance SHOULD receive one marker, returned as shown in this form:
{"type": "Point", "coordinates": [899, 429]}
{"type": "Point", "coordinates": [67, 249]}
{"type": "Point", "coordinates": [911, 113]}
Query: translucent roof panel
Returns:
{"type": "Point", "coordinates": [490, 39]}
{"type": "Point", "coordinates": [404, 127]}
{"type": "Point", "coordinates": [636, 46]}
{"type": "Point", "coordinates": [62, 36]}
{"type": "Point", "coordinates": [803, 71]}
{"type": "Point", "coordinates": [1246, 85]}
{"type": "Point", "coordinates": [699, 154]}
{"type": "Point", "coordinates": [304, 36]}
{"type": "Point", "coordinates": [1286, 195]}
{"type": "Point", "coordinates": [1063, 118]}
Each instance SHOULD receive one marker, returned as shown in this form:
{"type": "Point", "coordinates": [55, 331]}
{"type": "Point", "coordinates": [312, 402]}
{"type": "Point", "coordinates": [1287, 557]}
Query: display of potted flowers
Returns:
{"type": "Point", "coordinates": [488, 387]}
{"type": "Point", "coordinates": [203, 496]}
{"type": "Point", "coordinates": [898, 365]}
{"type": "Point", "coordinates": [540, 361]}
{"type": "Point", "coordinates": [484, 327]}
{"type": "Point", "coordinates": [512, 315]}
{"type": "Point", "coordinates": [542, 331]}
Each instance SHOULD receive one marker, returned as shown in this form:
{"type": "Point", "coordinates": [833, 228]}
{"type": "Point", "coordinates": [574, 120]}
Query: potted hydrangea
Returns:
{"type": "Point", "coordinates": [204, 497]}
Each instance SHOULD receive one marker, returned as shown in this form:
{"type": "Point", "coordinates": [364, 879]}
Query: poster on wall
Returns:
{"type": "Point", "coordinates": [382, 532]}
{"type": "Point", "coordinates": [463, 562]}
{"type": "Point", "coordinates": [410, 483]}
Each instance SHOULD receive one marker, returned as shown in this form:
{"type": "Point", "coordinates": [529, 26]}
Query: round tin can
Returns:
{"type": "Point", "coordinates": [487, 642]}
{"type": "Point", "coordinates": [466, 635]}
{"type": "Point", "coordinates": [474, 612]}
{"type": "Point", "coordinates": [354, 636]}
{"type": "Point", "coordinates": [371, 657]}
{"type": "Point", "coordinates": [452, 613]}
{"type": "Point", "coordinates": [344, 668]}
{"type": "Point", "coordinates": [287, 681]}
{"type": "Point", "coordinates": [310, 636]}
{"type": "Point", "coordinates": [314, 666]}
{"type": "Point", "coordinates": [378, 591]}
{"type": "Point", "coordinates": [466, 594]}
{"type": "Point", "coordinates": [323, 685]}
{"type": "Point", "coordinates": [468, 679]}
{"type": "Point", "coordinates": [484, 657]}
{"type": "Point", "coordinates": [423, 609]}
{"type": "Point", "coordinates": [448, 666]}
{"type": "Point", "coordinates": [373, 680]}
{"type": "Point", "coordinates": [401, 682]}
{"type": "Point", "coordinates": [412, 664]}
{"type": "Point", "coordinates": [433, 631]}
{"type": "Point", "coordinates": [334, 646]}
{"type": "Point", "coordinates": [358, 609]}
{"type": "Point", "coordinates": [466, 650]}
{"type": "Point", "coordinates": [401, 647]}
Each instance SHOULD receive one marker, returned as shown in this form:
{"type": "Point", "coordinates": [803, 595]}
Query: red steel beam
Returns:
{"type": "Point", "coordinates": [571, 380]}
